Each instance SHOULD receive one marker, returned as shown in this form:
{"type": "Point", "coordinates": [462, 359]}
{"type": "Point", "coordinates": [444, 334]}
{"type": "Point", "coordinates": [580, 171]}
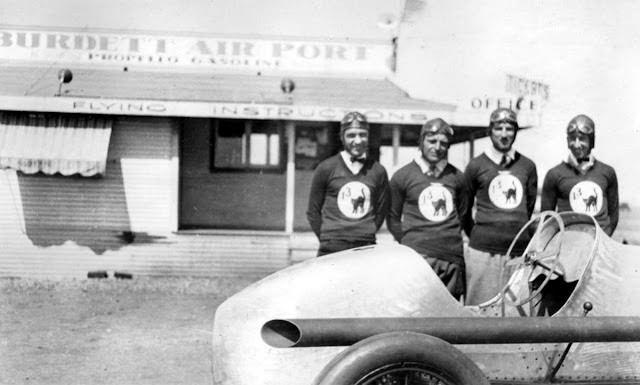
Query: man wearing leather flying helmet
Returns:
{"type": "Point", "coordinates": [349, 197]}
{"type": "Point", "coordinates": [504, 184]}
{"type": "Point", "coordinates": [428, 202]}
{"type": "Point", "coordinates": [581, 183]}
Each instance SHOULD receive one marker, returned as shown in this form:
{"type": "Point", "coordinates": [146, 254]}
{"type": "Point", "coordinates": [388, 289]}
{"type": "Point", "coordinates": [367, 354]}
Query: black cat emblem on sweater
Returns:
{"type": "Point", "coordinates": [586, 197]}
{"type": "Point", "coordinates": [505, 190]}
{"type": "Point", "coordinates": [435, 202]}
{"type": "Point", "coordinates": [354, 200]}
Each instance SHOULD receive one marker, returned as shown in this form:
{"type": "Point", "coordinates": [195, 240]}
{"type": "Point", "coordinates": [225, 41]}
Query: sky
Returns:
{"type": "Point", "coordinates": [586, 51]}
{"type": "Point", "coordinates": [303, 18]}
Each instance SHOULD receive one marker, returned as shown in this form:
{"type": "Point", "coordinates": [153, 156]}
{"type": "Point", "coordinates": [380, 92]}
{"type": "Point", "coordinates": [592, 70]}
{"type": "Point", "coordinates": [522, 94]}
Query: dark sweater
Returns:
{"type": "Point", "coordinates": [505, 198]}
{"type": "Point", "coordinates": [347, 206]}
{"type": "Point", "coordinates": [426, 211]}
{"type": "Point", "coordinates": [594, 192]}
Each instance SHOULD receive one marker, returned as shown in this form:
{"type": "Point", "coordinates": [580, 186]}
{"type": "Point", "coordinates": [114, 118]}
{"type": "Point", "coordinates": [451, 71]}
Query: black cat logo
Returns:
{"type": "Point", "coordinates": [439, 205]}
{"type": "Point", "coordinates": [509, 192]}
{"type": "Point", "coordinates": [357, 202]}
{"type": "Point", "coordinates": [590, 200]}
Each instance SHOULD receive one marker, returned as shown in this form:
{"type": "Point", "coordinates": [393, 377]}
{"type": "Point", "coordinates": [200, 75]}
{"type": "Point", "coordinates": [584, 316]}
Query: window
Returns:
{"type": "Point", "coordinates": [315, 141]}
{"type": "Point", "coordinates": [409, 135]}
{"type": "Point", "coordinates": [407, 138]}
{"type": "Point", "coordinates": [247, 145]}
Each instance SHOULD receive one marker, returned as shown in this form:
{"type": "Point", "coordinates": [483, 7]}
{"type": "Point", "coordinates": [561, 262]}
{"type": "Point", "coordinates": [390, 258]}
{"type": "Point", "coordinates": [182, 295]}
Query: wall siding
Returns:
{"type": "Point", "coordinates": [54, 226]}
{"type": "Point", "coordinates": [226, 199]}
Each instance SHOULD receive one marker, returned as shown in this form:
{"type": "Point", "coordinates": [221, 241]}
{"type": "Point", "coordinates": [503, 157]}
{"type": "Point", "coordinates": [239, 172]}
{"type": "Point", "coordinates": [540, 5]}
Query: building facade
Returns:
{"type": "Point", "coordinates": [182, 155]}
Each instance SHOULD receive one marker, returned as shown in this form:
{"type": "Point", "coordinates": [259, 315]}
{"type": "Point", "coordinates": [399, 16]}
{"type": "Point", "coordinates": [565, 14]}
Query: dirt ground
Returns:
{"type": "Point", "coordinates": [108, 331]}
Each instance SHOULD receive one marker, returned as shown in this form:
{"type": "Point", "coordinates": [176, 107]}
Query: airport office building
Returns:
{"type": "Point", "coordinates": [170, 155]}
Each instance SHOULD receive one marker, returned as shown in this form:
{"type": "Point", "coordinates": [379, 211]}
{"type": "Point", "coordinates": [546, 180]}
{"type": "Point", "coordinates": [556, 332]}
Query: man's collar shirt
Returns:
{"type": "Point", "coordinates": [427, 168]}
{"type": "Point", "coordinates": [582, 167]}
{"type": "Point", "coordinates": [354, 165]}
{"type": "Point", "coordinates": [496, 156]}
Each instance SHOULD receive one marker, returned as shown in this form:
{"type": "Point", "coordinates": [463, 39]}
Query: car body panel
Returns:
{"type": "Point", "coordinates": [394, 281]}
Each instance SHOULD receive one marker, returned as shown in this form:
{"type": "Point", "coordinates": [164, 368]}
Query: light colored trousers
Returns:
{"type": "Point", "coordinates": [483, 271]}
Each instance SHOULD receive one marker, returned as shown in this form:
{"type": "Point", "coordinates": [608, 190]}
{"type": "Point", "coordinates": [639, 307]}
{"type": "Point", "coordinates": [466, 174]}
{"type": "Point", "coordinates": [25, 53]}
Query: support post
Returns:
{"type": "Point", "coordinates": [395, 142]}
{"type": "Point", "coordinates": [175, 176]}
{"type": "Point", "coordinates": [472, 140]}
{"type": "Point", "coordinates": [291, 177]}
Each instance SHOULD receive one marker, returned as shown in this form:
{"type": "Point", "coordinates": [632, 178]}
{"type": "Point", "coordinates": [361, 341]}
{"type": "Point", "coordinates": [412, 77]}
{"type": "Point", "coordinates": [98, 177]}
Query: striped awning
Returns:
{"type": "Point", "coordinates": [54, 143]}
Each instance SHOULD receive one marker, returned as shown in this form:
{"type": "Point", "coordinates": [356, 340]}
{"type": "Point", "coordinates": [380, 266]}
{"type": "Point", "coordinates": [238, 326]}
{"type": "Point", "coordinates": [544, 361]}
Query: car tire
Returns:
{"type": "Point", "coordinates": [402, 357]}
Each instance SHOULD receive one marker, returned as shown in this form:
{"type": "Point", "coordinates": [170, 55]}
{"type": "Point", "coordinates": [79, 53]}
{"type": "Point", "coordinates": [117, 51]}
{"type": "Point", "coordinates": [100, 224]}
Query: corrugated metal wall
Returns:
{"type": "Point", "coordinates": [144, 153]}
{"type": "Point", "coordinates": [53, 226]}
{"type": "Point", "coordinates": [134, 194]}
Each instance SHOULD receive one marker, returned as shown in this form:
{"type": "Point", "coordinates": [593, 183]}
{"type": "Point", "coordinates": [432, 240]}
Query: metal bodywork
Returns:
{"type": "Point", "coordinates": [300, 333]}
{"type": "Point", "coordinates": [393, 282]}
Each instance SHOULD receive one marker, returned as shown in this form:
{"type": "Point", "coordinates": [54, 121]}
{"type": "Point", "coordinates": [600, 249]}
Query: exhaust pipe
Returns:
{"type": "Point", "coordinates": [294, 333]}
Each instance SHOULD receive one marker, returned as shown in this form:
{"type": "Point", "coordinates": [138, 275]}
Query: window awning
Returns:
{"type": "Point", "coordinates": [54, 143]}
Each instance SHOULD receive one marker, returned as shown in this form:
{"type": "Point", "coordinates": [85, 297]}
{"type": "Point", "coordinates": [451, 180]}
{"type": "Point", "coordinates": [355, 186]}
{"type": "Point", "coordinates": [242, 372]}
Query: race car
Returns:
{"type": "Point", "coordinates": [567, 313]}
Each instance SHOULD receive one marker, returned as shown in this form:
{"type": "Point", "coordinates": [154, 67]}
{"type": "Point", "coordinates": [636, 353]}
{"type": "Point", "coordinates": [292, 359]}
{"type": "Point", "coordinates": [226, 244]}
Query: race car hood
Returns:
{"type": "Point", "coordinates": [375, 281]}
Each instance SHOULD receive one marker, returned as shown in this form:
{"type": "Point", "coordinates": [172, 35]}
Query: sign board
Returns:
{"type": "Point", "coordinates": [195, 52]}
{"type": "Point", "coordinates": [490, 103]}
{"type": "Point", "coordinates": [211, 109]}
{"type": "Point", "coordinates": [526, 87]}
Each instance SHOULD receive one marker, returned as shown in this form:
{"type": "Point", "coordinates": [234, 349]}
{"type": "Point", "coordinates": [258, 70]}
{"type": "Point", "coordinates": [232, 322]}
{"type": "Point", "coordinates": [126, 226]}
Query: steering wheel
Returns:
{"type": "Point", "coordinates": [532, 258]}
